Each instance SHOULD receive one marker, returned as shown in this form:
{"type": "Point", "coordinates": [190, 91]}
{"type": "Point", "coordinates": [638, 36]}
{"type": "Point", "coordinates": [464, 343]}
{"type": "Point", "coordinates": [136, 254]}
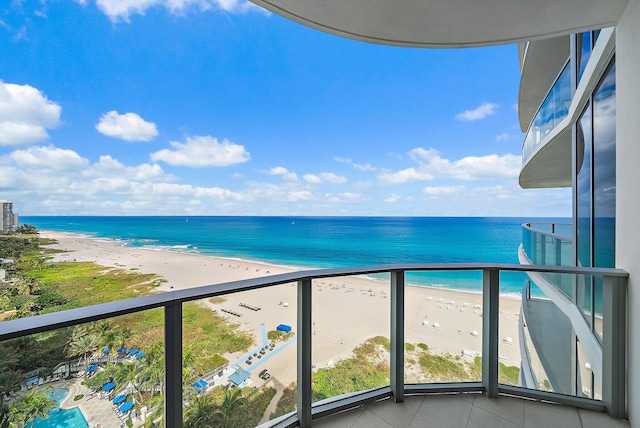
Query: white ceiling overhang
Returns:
{"type": "Point", "coordinates": [448, 23]}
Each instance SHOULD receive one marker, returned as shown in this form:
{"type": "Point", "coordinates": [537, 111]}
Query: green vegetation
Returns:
{"type": "Point", "coordinates": [279, 336]}
{"type": "Point", "coordinates": [507, 375]}
{"type": "Point", "coordinates": [78, 397]}
{"type": "Point", "coordinates": [423, 346]}
{"type": "Point", "coordinates": [40, 286]}
{"type": "Point", "coordinates": [226, 408]}
{"type": "Point", "coordinates": [443, 368]}
{"type": "Point", "coordinates": [217, 300]}
{"type": "Point", "coordinates": [34, 404]}
{"type": "Point", "coordinates": [367, 369]}
{"type": "Point", "coordinates": [409, 347]}
{"type": "Point", "coordinates": [287, 402]}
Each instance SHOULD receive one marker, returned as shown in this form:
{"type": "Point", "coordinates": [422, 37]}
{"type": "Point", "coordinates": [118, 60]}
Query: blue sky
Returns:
{"type": "Point", "coordinates": [216, 107]}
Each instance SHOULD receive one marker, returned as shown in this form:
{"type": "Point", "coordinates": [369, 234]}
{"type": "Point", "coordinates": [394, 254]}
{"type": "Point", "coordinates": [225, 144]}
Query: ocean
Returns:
{"type": "Point", "coordinates": [324, 242]}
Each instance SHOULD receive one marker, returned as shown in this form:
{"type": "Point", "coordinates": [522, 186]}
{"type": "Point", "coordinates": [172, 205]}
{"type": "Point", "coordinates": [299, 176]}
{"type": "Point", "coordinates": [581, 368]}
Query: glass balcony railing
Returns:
{"type": "Point", "coordinates": [324, 353]}
{"type": "Point", "coordinates": [553, 109]}
{"type": "Point", "coordinates": [554, 362]}
{"type": "Point", "coordinates": [549, 244]}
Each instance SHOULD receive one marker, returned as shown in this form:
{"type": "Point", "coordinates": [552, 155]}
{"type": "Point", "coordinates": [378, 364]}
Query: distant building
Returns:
{"type": "Point", "coordinates": [9, 221]}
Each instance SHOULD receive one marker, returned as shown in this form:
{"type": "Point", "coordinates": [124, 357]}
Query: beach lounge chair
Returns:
{"type": "Point", "coordinates": [48, 379]}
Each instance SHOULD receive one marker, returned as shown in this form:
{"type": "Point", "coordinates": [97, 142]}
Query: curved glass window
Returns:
{"type": "Point", "coordinates": [554, 108]}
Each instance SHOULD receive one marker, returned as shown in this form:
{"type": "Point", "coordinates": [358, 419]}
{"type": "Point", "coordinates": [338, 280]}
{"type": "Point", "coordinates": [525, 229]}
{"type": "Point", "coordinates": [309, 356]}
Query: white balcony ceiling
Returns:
{"type": "Point", "coordinates": [448, 23]}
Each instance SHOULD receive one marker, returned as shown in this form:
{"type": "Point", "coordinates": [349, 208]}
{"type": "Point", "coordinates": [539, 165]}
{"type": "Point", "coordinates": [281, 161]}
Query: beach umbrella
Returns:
{"type": "Point", "coordinates": [126, 406]}
{"type": "Point", "coordinates": [119, 399]}
{"type": "Point", "coordinates": [140, 355]}
{"type": "Point", "coordinates": [109, 386]}
{"type": "Point", "coordinates": [122, 350]}
{"type": "Point", "coordinates": [201, 384]}
{"type": "Point", "coordinates": [106, 351]}
{"type": "Point", "coordinates": [133, 351]}
{"type": "Point", "coordinates": [92, 368]}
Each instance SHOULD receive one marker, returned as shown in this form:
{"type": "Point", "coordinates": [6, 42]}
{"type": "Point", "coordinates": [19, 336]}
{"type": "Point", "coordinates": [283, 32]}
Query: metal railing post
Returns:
{"type": "Point", "coordinates": [303, 398]}
{"type": "Point", "coordinates": [173, 364]}
{"type": "Point", "coordinates": [490, 300]}
{"type": "Point", "coordinates": [397, 335]}
{"type": "Point", "coordinates": [614, 343]}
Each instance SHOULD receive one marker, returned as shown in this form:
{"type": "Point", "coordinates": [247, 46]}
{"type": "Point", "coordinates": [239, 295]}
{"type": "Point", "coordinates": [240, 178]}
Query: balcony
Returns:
{"type": "Point", "coordinates": [402, 391]}
{"type": "Point", "coordinates": [546, 151]}
{"type": "Point", "coordinates": [540, 61]}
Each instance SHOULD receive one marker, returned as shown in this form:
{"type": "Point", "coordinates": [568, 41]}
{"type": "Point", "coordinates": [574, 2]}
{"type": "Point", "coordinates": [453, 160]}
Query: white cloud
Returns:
{"type": "Point", "coordinates": [327, 177]}
{"type": "Point", "coordinates": [484, 110]}
{"type": "Point", "coordinates": [366, 167]}
{"type": "Point", "coordinates": [284, 172]}
{"type": "Point", "coordinates": [312, 178]}
{"type": "Point", "coordinates": [121, 10]}
{"type": "Point", "coordinates": [48, 158]}
{"type": "Point", "coordinates": [471, 168]}
{"type": "Point", "coordinates": [25, 115]}
{"type": "Point", "coordinates": [330, 177]}
{"type": "Point", "coordinates": [392, 198]}
{"type": "Point", "coordinates": [128, 127]}
{"type": "Point", "coordinates": [362, 167]}
{"type": "Point", "coordinates": [502, 137]}
{"type": "Point", "coordinates": [443, 190]}
{"type": "Point", "coordinates": [342, 160]}
{"type": "Point", "coordinates": [201, 152]}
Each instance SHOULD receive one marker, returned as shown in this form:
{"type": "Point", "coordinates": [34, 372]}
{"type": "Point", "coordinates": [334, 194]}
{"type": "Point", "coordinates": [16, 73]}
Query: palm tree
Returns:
{"type": "Point", "coordinates": [36, 404]}
{"type": "Point", "coordinates": [124, 333]}
{"type": "Point", "coordinates": [83, 347]}
{"type": "Point", "coordinates": [200, 412]}
{"type": "Point", "coordinates": [232, 400]}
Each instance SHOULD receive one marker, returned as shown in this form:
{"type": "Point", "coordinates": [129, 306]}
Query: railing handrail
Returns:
{"type": "Point", "coordinates": [51, 321]}
{"type": "Point", "coordinates": [529, 226]}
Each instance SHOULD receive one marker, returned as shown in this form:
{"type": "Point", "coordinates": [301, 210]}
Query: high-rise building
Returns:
{"type": "Point", "coordinates": [8, 219]}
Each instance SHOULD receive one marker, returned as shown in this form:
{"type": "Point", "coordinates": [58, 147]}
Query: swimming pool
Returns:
{"type": "Point", "coordinates": [62, 418]}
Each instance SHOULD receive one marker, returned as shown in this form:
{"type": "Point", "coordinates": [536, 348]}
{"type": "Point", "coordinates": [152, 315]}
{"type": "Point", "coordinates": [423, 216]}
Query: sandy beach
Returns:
{"type": "Point", "coordinates": [346, 311]}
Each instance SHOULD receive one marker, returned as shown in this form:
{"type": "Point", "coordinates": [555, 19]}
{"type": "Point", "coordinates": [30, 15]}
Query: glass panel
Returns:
{"type": "Point", "coordinates": [239, 352]}
{"type": "Point", "coordinates": [583, 188]}
{"type": "Point", "coordinates": [350, 334]}
{"type": "Point", "coordinates": [604, 171]}
{"type": "Point", "coordinates": [119, 359]}
{"type": "Point", "coordinates": [553, 109]}
{"type": "Point", "coordinates": [585, 378]}
{"type": "Point", "coordinates": [546, 339]}
{"type": "Point", "coordinates": [443, 330]}
{"type": "Point", "coordinates": [584, 52]}
{"type": "Point", "coordinates": [233, 356]}
{"type": "Point", "coordinates": [509, 356]}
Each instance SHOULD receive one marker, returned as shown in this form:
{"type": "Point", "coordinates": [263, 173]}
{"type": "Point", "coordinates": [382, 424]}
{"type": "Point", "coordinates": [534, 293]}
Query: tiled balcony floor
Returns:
{"type": "Point", "coordinates": [467, 411]}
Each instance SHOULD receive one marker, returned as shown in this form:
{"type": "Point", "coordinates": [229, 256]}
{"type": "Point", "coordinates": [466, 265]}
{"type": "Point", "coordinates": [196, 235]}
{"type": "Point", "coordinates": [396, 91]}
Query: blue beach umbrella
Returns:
{"type": "Point", "coordinates": [122, 350]}
{"type": "Point", "coordinates": [133, 351]}
{"type": "Point", "coordinates": [107, 351]}
{"type": "Point", "coordinates": [126, 406]}
{"type": "Point", "coordinates": [201, 384]}
{"type": "Point", "coordinates": [92, 368]}
{"type": "Point", "coordinates": [140, 355]}
{"type": "Point", "coordinates": [109, 386]}
{"type": "Point", "coordinates": [119, 399]}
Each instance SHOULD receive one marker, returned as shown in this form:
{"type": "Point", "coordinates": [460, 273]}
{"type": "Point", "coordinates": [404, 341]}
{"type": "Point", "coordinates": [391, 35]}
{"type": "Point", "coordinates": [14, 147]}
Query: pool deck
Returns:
{"type": "Point", "coordinates": [95, 410]}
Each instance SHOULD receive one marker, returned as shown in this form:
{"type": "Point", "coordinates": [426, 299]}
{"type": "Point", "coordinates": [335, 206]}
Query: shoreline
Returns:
{"type": "Point", "coordinates": [454, 317]}
{"type": "Point", "coordinates": [120, 243]}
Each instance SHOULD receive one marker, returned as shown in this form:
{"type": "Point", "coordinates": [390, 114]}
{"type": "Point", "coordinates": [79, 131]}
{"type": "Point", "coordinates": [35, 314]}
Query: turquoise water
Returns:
{"type": "Point", "coordinates": [323, 242]}
{"type": "Point", "coordinates": [59, 418]}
